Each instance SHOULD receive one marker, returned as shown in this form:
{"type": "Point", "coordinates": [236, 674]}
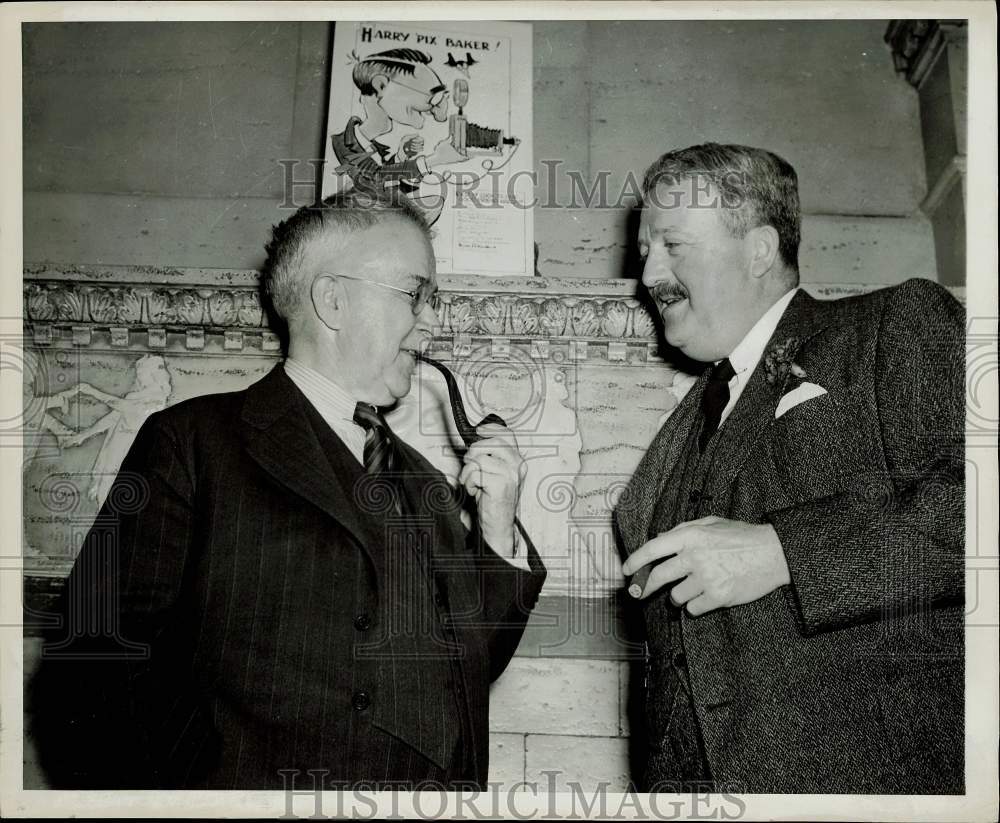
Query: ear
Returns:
{"type": "Point", "coordinates": [763, 242]}
{"type": "Point", "coordinates": [327, 294]}
{"type": "Point", "coordinates": [379, 82]}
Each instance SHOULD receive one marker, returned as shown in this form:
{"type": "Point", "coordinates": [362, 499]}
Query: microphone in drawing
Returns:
{"type": "Point", "coordinates": [457, 122]}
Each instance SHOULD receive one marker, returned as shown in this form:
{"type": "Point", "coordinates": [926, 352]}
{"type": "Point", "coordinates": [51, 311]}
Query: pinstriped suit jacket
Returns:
{"type": "Point", "coordinates": [851, 678]}
{"type": "Point", "coordinates": [259, 615]}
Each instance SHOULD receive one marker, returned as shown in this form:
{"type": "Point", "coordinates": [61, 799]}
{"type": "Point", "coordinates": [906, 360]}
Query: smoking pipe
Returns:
{"type": "Point", "coordinates": [465, 428]}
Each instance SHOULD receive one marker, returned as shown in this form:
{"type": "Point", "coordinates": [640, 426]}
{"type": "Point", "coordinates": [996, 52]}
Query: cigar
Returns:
{"type": "Point", "coordinates": [637, 584]}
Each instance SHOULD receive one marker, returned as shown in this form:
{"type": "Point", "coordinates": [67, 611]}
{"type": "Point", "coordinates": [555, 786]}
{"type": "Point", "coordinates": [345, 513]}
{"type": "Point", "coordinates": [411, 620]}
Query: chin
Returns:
{"type": "Point", "coordinates": [398, 390]}
{"type": "Point", "coordinates": [414, 119]}
{"type": "Point", "coordinates": [678, 341]}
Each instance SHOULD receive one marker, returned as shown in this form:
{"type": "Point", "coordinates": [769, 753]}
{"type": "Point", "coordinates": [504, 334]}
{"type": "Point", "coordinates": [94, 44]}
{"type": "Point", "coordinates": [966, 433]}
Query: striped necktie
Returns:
{"type": "Point", "coordinates": [381, 455]}
{"type": "Point", "coordinates": [714, 400]}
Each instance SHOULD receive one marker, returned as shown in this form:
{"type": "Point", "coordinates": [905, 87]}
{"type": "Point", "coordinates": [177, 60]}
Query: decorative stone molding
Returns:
{"type": "Point", "coordinates": [204, 310]}
{"type": "Point", "coordinates": [916, 44]}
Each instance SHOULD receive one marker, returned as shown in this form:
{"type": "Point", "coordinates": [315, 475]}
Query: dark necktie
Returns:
{"type": "Point", "coordinates": [714, 400]}
{"type": "Point", "coordinates": [380, 456]}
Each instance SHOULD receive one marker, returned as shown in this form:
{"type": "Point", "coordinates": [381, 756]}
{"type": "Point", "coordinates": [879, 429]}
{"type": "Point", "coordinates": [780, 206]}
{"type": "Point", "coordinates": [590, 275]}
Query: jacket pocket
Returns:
{"type": "Point", "coordinates": [826, 446]}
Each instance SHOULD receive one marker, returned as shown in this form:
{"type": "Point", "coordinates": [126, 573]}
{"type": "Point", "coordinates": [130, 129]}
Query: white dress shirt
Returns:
{"type": "Point", "coordinates": [747, 354]}
{"type": "Point", "coordinates": [334, 405]}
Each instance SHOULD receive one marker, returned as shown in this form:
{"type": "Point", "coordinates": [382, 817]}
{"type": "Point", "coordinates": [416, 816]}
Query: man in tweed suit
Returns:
{"type": "Point", "coordinates": [801, 511]}
{"type": "Point", "coordinates": [297, 601]}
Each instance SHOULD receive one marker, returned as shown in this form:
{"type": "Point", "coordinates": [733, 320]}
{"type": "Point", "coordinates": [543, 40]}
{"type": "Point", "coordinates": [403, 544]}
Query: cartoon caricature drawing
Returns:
{"type": "Point", "coordinates": [397, 86]}
{"type": "Point", "coordinates": [462, 65]}
{"type": "Point", "coordinates": [149, 394]}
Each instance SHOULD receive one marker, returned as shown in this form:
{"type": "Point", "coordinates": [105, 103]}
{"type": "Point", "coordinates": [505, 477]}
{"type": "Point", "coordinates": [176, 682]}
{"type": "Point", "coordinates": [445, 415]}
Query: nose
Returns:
{"type": "Point", "coordinates": [656, 269]}
{"type": "Point", "coordinates": [427, 320]}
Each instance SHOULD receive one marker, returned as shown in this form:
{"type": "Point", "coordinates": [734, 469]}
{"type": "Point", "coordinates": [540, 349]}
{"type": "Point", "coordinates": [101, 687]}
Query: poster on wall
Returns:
{"type": "Point", "coordinates": [441, 113]}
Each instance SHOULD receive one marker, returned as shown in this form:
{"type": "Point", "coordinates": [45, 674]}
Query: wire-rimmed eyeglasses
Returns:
{"type": "Point", "coordinates": [426, 293]}
{"type": "Point", "coordinates": [434, 96]}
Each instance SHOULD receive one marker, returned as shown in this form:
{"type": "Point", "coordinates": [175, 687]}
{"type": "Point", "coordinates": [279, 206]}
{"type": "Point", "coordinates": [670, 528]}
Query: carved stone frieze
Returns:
{"type": "Point", "coordinates": [221, 310]}
{"type": "Point", "coordinates": [508, 311]}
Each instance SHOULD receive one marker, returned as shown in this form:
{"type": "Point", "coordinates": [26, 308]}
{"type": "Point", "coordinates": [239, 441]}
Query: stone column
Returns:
{"type": "Point", "coordinates": [932, 55]}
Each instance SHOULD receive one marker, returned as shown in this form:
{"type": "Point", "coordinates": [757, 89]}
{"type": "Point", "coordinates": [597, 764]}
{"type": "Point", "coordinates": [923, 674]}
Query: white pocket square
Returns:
{"type": "Point", "coordinates": [807, 391]}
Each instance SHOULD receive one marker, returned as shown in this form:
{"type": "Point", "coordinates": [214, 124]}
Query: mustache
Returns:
{"type": "Point", "coordinates": [668, 291]}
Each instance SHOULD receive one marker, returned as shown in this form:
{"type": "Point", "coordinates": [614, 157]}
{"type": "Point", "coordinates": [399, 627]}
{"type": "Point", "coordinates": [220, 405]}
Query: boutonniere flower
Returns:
{"type": "Point", "coordinates": [778, 361]}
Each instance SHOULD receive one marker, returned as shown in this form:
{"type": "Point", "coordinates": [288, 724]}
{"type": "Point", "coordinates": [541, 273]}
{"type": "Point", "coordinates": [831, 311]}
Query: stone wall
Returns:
{"type": "Point", "coordinates": [158, 143]}
{"type": "Point", "coordinates": [151, 178]}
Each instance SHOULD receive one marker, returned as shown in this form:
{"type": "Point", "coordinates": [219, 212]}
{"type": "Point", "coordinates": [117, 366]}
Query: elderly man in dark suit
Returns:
{"type": "Point", "coordinates": [293, 586]}
{"type": "Point", "coordinates": [800, 516]}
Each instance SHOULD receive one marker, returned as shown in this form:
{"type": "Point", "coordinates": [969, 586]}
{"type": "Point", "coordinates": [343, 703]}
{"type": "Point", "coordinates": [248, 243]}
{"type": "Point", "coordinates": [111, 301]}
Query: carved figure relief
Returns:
{"type": "Point", "coordinates": [119, 425]}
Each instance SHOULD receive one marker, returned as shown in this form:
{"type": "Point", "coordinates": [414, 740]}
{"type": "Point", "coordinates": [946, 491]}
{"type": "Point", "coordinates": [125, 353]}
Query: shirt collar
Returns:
{"type": "Point", "coordinates": [321, 389]}
{"type": "Point", "coordinates": [748, 352]}
{"type": "Point", "coordinates": [361, 138]}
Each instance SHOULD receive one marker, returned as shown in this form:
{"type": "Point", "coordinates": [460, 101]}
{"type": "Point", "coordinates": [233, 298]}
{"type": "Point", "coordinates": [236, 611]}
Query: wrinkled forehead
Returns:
{"type": "Point", "coordinates": [679, 204]}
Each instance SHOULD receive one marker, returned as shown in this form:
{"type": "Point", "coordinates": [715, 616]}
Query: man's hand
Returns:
{"type": "Point", "coordinates": [493, 472]}
{"type": "Point", "coordinates": [411, 145]}
{"type": "Point", "coordinates": [444, 154]}
{"type": "Point", "coordinates": [719, 563]}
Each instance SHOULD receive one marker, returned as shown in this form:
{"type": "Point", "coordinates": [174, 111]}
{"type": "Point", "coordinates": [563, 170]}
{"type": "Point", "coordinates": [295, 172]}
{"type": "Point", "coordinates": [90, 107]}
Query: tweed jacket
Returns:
{"type": "Point", "coordinates": [260, 617]}
{"type": "Point", "coordinates": [851, 678]}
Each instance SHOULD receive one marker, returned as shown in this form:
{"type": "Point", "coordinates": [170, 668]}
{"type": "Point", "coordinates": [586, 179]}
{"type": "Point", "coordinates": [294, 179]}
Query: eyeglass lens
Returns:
{"type": "Point", "coordinates": [426, 293]}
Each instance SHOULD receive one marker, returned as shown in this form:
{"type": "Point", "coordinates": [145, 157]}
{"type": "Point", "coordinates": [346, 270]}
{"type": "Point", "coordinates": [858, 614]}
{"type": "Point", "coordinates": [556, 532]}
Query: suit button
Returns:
{"type": "Point", "coordinates": [360, 701]}
{"type": "Point", "coordinates": [362, 622]}
{"type": "Point", "coordinates": [680, 660]}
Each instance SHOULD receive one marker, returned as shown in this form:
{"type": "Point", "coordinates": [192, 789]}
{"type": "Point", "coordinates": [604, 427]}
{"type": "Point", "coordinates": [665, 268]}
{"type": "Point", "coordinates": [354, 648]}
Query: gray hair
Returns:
{"type": "Point", "coordinates": [345, 212]}
{"type": "Point", "coordinates": [757, 188]}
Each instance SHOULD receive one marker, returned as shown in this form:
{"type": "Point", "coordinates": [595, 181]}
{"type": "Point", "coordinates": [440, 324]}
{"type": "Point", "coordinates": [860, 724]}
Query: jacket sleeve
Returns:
{"type": "Point", "coordinates": [891, 545]}
{"type": "Point", "coordinates": [99, 699]}
{"type": "Point", "coordinates": [508, 595]}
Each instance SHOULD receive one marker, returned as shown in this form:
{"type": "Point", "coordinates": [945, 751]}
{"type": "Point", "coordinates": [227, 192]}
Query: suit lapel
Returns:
{"type": "Point", "coordinates": [634, 511]}
{"type": "Point", "coordinates": [279, 436]}
{"type": "Point", "coordinates": [754, 411]}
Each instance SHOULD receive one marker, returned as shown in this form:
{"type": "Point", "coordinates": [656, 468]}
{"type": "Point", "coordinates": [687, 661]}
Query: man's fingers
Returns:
{"type": "Point", "coordinates": [688, 589]}
{"type": "Point", "coordinates": [484, 473]}
{"type": "Point", "coordinates": [701, 521]}
{"type": "Point", "coordinates": [471, 478]}
{"type": "Point", "coordinates": [663, 574]}
{"type": "Point", "coordinates": [700, 605]}
{"type": "Point", "coordinates": [662, 545]}
{"type": "Point", "coordinates": [495, 436]}
{"type": "Point", "coordinates": [504, 465]}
